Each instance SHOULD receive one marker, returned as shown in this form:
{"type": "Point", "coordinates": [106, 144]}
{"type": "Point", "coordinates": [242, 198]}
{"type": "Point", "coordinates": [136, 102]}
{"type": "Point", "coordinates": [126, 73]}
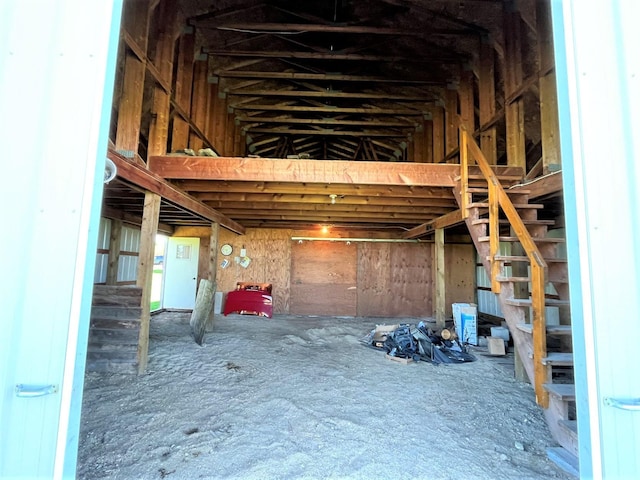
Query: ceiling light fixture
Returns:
{"type": "Point", "coordinates": [333, 197]}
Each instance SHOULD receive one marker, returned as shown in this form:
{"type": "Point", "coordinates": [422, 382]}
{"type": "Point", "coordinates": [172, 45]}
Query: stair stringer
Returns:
{"type": "Point", "coordinates": [522, 341]}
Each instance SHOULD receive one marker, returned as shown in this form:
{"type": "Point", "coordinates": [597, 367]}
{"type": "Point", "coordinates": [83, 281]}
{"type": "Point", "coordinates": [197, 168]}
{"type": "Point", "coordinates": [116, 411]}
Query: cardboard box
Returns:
{"type": "Point", "coordinates": [465, 318]}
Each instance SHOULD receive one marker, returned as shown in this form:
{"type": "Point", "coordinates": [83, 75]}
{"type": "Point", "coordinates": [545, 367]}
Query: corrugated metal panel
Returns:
{"type": "Point", "coordinates": [102, 259]}
{"type": "Point", "coordinates": [128, 264]}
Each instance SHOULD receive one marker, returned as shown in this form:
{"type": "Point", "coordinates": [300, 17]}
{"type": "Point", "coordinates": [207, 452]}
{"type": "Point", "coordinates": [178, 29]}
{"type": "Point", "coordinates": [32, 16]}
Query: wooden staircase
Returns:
{"type": "Point", "coordinates": [530, 278]}
{"type": "Point", "coordinates": [114, 330]}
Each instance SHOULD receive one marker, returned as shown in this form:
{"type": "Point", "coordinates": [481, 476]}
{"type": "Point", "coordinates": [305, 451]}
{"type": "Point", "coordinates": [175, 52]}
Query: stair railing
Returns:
{"type": "Point", "coordinates": [498, 199]}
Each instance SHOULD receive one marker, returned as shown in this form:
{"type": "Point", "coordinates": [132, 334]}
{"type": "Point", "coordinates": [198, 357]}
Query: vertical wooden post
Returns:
{"type": "Point", "coordinates": [487, 101]}
{"type": "Point", "coordinates": [549, 123]}
{"type": "Point", "coordinates": [514, 108]}
{"type": "Point", "coordinates": [467, 108]}
{"type": "Point", "coordinates": [159, 127]}
{"type": "Point", "coordinates": [114, 252]}
{"type": "Point", "coordinates": [428, 139]}
{"type": "Point", "coordinates": [213, 268]}
{"type": "Point", "coordinates": [438, 133]}
{"type": "Point", "coordinates": [212, 82]}
{"type": "Point", "coordinates": [220, 120]}
{"type": "Point", "coordinates": [136, 24]}
{"type": "Point", "coordinates": [199, 100]}
{"type": "Point", "coordinates": [182, 90]}
{"type": "Point", "coordinates": [418, 155]}
{"type": "Point", "coordinates": [440, 299]}
{"type": "Point", "coordinates": [145, 272]}
{"type": "Point", "coordinates": [451, 120]}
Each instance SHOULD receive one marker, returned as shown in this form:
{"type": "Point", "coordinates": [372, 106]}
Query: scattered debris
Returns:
{"type": "Point", "coordinates": [417, 343]}
{"type": "Point", "coordinates": [232, 366]}
{"type": "Point", "coordinates": [164, 472]}
{"type": "Point", "coordinates": [191, 431]}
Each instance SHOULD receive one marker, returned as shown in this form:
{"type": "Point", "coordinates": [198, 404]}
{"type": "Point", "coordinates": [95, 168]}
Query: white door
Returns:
{"type": "Point", "coordinates": [181, 273]}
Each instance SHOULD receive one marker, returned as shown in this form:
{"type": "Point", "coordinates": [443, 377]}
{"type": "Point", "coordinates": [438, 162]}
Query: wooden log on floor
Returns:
{"type": "Point", "coordinates": [200, 314]}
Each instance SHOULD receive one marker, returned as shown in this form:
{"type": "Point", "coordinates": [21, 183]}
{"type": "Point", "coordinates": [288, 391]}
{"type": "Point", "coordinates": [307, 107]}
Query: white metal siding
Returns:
{"type": "Point", "coordinates": [102, 259]}
{"type": "Point", "coordinates": [128, 264]}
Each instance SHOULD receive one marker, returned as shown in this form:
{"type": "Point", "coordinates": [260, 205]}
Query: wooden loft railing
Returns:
{"type": "Point", "coordinates": [498, 199]}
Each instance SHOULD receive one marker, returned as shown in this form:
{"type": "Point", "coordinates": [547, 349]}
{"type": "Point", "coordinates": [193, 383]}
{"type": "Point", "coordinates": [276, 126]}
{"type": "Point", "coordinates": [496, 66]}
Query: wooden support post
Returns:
{"type": "Point", "coordinates": [467, 108]}
{"type": "Point", "coordinates": [202, 310]}
{"type": "Point", "coordinates": [514, 111]}
{"type": "Point", "coordinates": [487, 102]}
{"type": "Point", "coordinates": [159, 127]}
{"type": "Point", "coordinates": [182, 91]}
{"type": "Point", "coordinates": [212, 85]}
{"type": "Point", "coordinates": [440, 283]}
{"type": "Point", "coordinates": [451, 120]}
{"type": "Point", "coordinates": [199, 104]}
{"type": "Point", "coordinates": [437, 114]}
{"type": "Point", "coordinates": [145, 272]}
{"type": "Point", "coordinates": [136, 24]}
{"type": "Point", "coordinates": [428, 141]}
{"type": "Point", "coordinates": [213, 267]}
{"type": "Point", "coordinates": [520, 373]}
{"type": "Point", "coordinates": [114, 252]}
{"type": "Point", "coordinates": [229, 136]}
{"type": "Point", "coordinates": [220, 121]}
{"type": "Point", "coordinates": [418, 144]}
{"type": "Point", "coordinates": [549, 122]}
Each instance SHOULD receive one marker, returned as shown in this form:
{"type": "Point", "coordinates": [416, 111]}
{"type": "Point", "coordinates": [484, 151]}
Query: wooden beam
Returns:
{"type": "Point", "coordinates": [549, 120]}
{"type": "Point", "coordinates": [465, 94]}
{"type": "Point", "coordinates": [329, 109]}
{"type": "Point", "coordinates": [451, 121]}
{"type": "Point", "coordinates": [327, 121]}
{"type": "Point", "coordinates": [331, 94]}
{"type": "Point", "coordinates": [159, 126]}
{"type": "Point", "coordinates": [145, 272]}
{"type": "Point", "coordinates": [114, 252]}
{"type": "Point", "coordinates": [324, 28]}
{"type": "Point", "coordinates": [447, 220]}
{"type": "Point", "coordinates": [150, 181]}
{"type": "Point", "coordinates": [439, 284]}
{"type": "Point", "coordinates": [331, 132]}
{"type": "Point", "coordinates": [184, 83]}
{"type": "Point", "coordinates": [514, 111]}
{"type": "Point", "coordinates": [130, 107]}
{"type": "Point", "coordinates": [487, 102]}
{"type": "Point", "coordinates": [333, 56]}
{"type": "Point", "coordinates": [304, 171]}
{"type": "Point", "coordinates": [324, 76]}
{"type": "Point", "coordinates": [437, 114]}
{"type": "Point", "coordinates": [199, 102]}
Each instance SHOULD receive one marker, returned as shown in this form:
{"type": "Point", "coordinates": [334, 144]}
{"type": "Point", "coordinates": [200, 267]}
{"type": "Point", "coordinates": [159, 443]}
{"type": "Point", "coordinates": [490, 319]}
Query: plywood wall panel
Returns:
{"type": "Point", "coordinates": [395, 280]}
{"type": "Point", "coordinates": [411, 280]}
{"type": "Point", "coordinates": [374, 276]}
{"type": "Point", "coordinates": [460, 278]}
{"type": "Point", "coordinates": [323, 278]}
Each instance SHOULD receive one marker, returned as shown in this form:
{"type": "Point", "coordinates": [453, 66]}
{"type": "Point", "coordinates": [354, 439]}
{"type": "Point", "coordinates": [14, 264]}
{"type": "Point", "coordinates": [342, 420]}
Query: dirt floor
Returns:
{"type": "Point", "coordinates": [301, 397]}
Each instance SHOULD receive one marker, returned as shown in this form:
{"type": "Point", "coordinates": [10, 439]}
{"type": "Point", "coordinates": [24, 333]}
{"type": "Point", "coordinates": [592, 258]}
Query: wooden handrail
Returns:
{"type": "Point", "coordinates": [498, 199]}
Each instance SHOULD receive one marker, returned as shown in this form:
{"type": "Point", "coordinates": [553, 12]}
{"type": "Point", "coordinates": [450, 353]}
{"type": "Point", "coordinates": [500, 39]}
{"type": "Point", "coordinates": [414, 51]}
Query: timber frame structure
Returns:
{"type": "Point", "coordinates": [386, 119]}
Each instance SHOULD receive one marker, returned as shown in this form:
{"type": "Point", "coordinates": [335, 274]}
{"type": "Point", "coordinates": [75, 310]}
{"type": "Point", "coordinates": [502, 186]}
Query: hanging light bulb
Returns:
{"type": "Point", "coordinates": [333, 197]}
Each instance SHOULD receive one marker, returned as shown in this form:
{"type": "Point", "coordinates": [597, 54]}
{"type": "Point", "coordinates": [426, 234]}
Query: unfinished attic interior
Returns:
{"type": "Point", "coordinates": [378, 158]}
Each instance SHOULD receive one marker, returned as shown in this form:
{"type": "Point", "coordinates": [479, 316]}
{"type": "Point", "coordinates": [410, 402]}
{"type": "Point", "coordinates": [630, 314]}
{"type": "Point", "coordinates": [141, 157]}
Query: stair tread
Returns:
{"type": "Point", "coordinates": [501, 278]}
{"type": "Point", "coordinates": [526, 302]}
{"type": "Point", "coordinates": [507, 191]}
{"type": "Point", "coordinates": [564, 459]}
{"type": "Point", "coordinates": [558, 358]}
{"type": "Point", "coordinates": [551, 329]}
{"type": "Point", "coordinates": [564, 391]}
{"type": "Point", "coordinates": [503, 221]}
{"type": "Point", "coordinates": [515, 239]}
{"type": "Point", "coordinates": [571, 425]}
{"type": "Point", "coordinates": [524, 258]}
{"type": "Point", "coordinates": [536, 206]}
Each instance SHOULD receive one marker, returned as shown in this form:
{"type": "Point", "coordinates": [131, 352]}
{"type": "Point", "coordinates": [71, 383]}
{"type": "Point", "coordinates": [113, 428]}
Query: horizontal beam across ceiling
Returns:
{"type": "Point", "coordinates": [306, 171]}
